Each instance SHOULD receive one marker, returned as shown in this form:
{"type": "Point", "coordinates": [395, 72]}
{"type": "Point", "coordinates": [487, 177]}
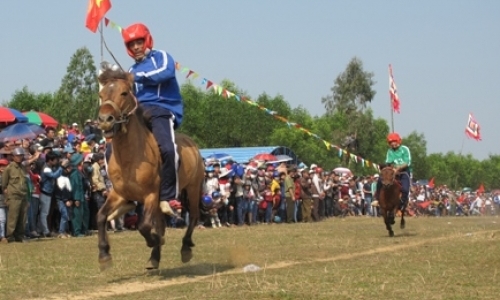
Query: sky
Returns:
{"type": "Point", "coordinates": [445, 54]}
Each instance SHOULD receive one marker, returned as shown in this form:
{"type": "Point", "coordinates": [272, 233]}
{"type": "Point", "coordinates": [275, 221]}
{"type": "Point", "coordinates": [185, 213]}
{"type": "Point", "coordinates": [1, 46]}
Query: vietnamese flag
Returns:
{"type": "Point", "coordinates": [95, 12]}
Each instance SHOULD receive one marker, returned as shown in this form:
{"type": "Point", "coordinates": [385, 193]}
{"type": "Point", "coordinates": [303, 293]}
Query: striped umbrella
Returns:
{"type": "Point", "coordinates": [40, 118]}
{"type": "Point", "coordinates": [10, 115]}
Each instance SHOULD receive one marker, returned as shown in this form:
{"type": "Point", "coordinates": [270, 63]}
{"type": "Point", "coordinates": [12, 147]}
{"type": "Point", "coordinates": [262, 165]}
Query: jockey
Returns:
{"type": "Point", "coordinates": [399, 157]}
{"type": "Point", "coordinates": [158, 93]}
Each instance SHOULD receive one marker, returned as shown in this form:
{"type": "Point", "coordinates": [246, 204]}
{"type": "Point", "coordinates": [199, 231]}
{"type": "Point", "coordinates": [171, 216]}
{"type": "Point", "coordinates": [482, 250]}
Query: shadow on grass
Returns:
{"type": "Point", "coordinates": [202, 269]}
{"type": "Point", "coordinates": [400, 234]}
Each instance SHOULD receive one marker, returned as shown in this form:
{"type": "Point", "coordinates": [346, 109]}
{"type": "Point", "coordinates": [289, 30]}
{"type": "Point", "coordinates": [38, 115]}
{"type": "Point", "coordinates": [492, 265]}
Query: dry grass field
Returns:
{"type": "Point", "coordinates": [352, 258]}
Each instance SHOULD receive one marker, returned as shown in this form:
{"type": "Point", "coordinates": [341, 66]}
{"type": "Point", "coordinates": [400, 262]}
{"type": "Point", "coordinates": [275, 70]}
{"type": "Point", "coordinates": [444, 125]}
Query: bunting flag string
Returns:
{"type": "Point", "coordinates": [221, 91]}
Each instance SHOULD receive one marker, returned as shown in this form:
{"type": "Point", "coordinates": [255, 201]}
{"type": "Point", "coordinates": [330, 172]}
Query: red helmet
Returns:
{"type": "Point", "coordinates": [393, 137]}
{"type": "Point", "coordinates": [135, 32]}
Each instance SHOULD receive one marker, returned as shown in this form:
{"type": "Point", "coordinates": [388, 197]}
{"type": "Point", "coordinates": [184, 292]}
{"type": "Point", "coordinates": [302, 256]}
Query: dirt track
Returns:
{"type": "Point", "coordinates": [113, 290]}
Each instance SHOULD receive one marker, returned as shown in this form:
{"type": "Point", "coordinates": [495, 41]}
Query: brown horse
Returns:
{"type": "Point", "coordinates": [134, 169]}
{"type": "Point", "coordinates": [390, 198]}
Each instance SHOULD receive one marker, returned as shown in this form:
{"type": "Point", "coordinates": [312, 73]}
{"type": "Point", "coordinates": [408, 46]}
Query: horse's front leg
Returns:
{"type": "Point", "coordinates": [387, 220]}
{"type": "Point", "coordinates": [159, 228]}
{"type": "Point", "coordinates": [151, 207]}
{"type": "Point", "coordinates": [111, 204]}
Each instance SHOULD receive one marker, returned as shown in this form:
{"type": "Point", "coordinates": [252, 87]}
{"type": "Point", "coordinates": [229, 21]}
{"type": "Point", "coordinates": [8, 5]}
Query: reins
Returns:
{"type": "Point", "coordinates": [124, 118]}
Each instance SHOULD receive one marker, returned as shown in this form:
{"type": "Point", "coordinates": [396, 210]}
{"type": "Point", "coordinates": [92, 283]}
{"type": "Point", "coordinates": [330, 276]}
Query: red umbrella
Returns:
{"type": "Point", "coordinates": [9, 115]}
{"type": "Point", "coordinates": [265, 157]}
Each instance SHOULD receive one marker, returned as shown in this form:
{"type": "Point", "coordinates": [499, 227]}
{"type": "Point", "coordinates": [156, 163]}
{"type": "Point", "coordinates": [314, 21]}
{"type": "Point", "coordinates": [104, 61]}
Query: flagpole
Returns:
{"type": "Point", "coordinates": [101, 31]}
{"type": "Point", "coordinates": [462, 147]}
{"type": "Point", "coordinates": [391, 95]}
{"type": "Point", "coordinates": [461, 160]}
{"type": "Point", "coordinates": [99, 71]}
{"type": "Point", "coordinates": [392, 113]}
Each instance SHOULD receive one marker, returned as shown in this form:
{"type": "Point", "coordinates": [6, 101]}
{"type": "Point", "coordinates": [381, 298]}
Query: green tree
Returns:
{"type": "Point", "coordinates": [25, 100]}
{"type": "Point", "coordinates": [418, 149]}
{"type": "Point", "coordinates": [352, 90]}
{"type": "Point", "coordinates": [216, 120]}
{"type": "Point", "coordinates": [77, 99]}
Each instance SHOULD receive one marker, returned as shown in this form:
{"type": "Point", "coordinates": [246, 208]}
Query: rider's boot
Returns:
{"type": "Point", "coordinates": [404, 204]}
{"type": "Point", "coordinates": [166, 209]}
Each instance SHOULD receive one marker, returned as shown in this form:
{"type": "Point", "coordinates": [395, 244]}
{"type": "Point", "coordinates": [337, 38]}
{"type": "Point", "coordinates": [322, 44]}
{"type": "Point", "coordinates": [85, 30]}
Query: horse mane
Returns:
{"type": "Point", "coordinates": [109, 74]}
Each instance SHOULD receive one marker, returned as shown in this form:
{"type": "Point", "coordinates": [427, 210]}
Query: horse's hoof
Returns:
{"type": "Point", "coordinates": [391, 233]}
{"type": "Point", "coordinates": [152, 264]}
{"type": "Point", "coordinates": [186, 255]}
{"type": "Point", "coordinates": [402, 226]}
{"type": "Point", "coordinates": [393, 222]}
{"type": "Point", "coordinates": [105, 263]}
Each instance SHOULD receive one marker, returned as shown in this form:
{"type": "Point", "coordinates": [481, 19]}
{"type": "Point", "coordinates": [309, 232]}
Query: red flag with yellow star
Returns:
{"type": "Point", "coordinates": [95, 12]}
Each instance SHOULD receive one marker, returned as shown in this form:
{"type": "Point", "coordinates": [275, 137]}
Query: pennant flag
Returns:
{"type": "Point", "coordinates": [106, 22]}
{"type": "Point", "coordinates": [472, 129]}
{"type": "Point", "coordinates": [95, 12]}
{"type": "Point", "coordinates": [431, 183]}
{"type": "Point", "coordinates": [393, 92]}
{"type": "Point", "coordinates": [209, 84]}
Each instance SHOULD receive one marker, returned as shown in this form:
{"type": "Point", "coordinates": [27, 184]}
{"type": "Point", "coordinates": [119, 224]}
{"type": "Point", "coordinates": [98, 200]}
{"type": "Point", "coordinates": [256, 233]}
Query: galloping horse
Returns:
{"type": "Point", "coordinates": [390, 198]}
{"type": "Point", "coordinates": [134, 169]}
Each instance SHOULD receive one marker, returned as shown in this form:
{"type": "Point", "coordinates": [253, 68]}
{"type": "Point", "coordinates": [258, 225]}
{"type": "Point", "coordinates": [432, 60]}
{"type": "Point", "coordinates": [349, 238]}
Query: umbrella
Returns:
{"type": "Point", "coordinates": [342, 170]}
{"type": "Point", "coordinates": [9, 115]}
{"type": "Point", "coordinates": [219, 157]}
{"type": "Point", "coordinates": [40, 118]}
{"type": "Point", "coordinates": [282, 158]}
{"type": "Point", "coordinates": [17, 131]}
{"type": "Point", "coordinates": [35, 128]}
{"type": "Point", "coordinates": [265, 157]}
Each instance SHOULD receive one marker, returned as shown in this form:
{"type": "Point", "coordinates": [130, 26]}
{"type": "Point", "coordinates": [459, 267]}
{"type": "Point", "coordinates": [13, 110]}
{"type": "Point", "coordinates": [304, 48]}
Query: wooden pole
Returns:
{"type": "Point", "coordinates": [392, 115]}
{"type": "Point", "coordinates": [461, 159]}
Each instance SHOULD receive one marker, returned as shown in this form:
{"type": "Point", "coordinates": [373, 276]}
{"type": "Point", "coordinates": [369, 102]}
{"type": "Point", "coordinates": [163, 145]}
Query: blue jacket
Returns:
{"type": "Point", "coordinates": [155, 83]}
{"type": "Point", "coordinates": [48, 179]}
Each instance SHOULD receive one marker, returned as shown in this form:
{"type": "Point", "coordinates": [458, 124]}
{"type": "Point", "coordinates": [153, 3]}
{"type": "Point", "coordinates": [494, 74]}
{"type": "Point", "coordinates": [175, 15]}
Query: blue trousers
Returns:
{"type": "Point", "coordinates": [162, 123]}
{"type": "Point", "coordinates": [404, 179]}
{"type": "Point", "coordinates": [63, 209]}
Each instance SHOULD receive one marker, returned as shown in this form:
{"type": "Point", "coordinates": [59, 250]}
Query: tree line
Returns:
{"type": "Point", "coordinates": [216, 122]}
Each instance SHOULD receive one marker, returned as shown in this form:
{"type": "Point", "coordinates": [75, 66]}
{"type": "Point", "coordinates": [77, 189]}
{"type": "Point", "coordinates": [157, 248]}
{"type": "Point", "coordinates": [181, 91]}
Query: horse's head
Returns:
{"type": "Point", "coordinates": [387, 175]}
{"type": "Point", "coordinates": [118, 101]}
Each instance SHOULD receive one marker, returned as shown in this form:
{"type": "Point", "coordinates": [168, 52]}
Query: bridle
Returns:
{"type": "Point", "coordinates": [124, 117]}
{"type": "Point", "coordinates": [393, 178]}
